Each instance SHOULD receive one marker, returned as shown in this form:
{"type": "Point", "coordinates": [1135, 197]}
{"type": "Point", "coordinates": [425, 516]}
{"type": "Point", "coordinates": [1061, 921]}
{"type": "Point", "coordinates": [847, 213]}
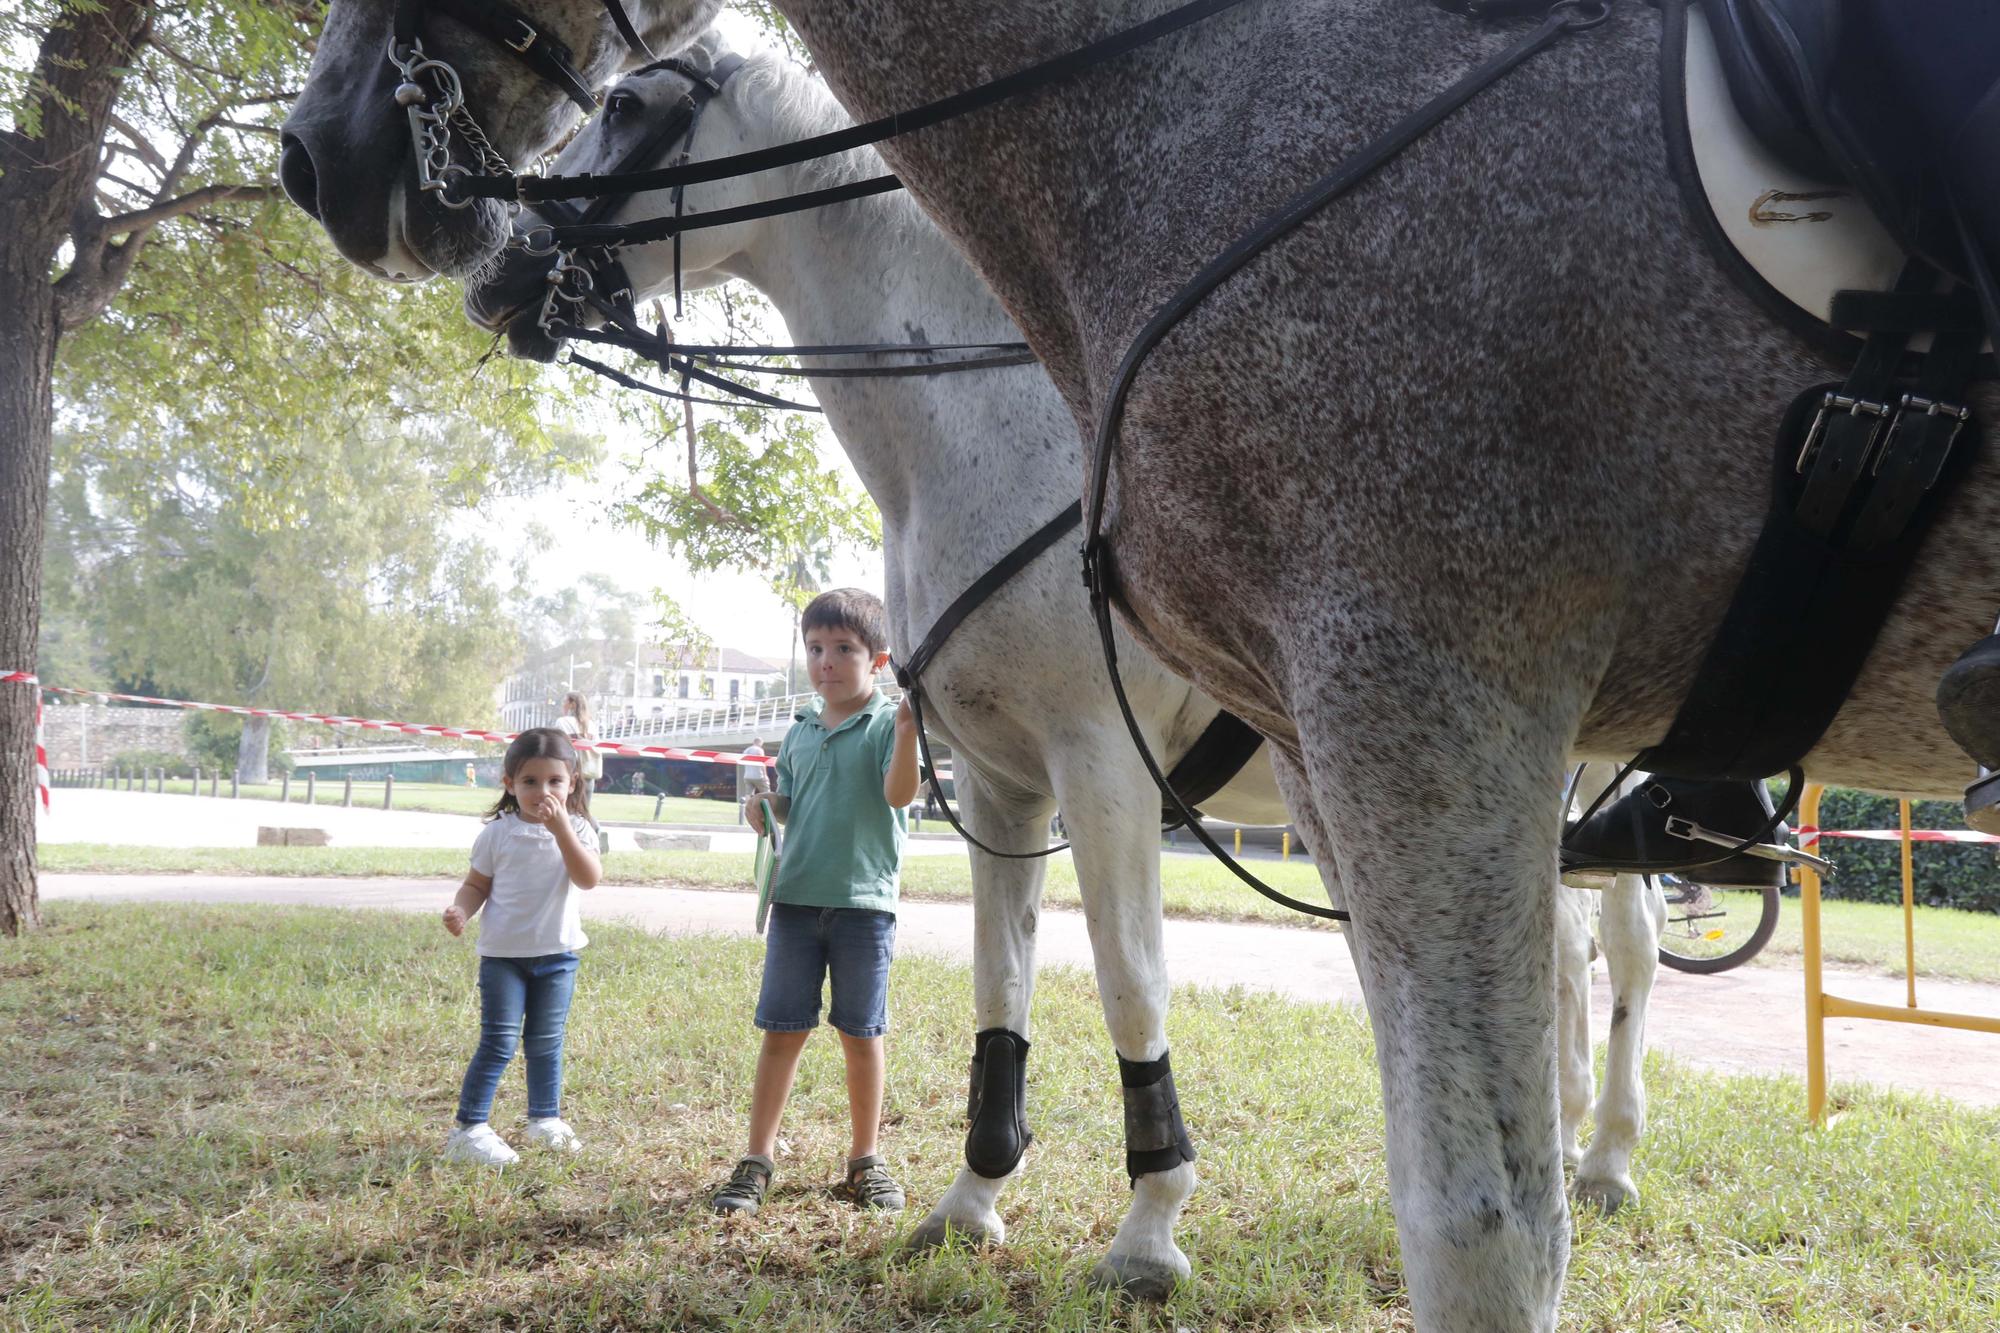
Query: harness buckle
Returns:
{"type": "Point", "coordinates": [1840, 402]}
{"type": "Point", "coordinates": [1929, 408]}
{"type": "Point", "coordinates": [521, 47]}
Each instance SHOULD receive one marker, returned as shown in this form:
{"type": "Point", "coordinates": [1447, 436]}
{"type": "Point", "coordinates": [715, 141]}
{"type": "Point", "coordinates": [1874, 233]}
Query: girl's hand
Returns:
{"type": "Point", "coordinates": [548, 811]}
{"type": "Point", "coordinates": [454, 919]}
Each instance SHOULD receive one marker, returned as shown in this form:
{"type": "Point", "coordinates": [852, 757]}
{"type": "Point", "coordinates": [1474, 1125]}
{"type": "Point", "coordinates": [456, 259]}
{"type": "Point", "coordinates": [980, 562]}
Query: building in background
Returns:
{"type": "Point", "coordinates": [630, 687]}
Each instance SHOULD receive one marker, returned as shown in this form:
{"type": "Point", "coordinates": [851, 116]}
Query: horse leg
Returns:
{"type": "Point", "coordinates": [1006, 905]}
{"type": "Point", "coordinates": [1573, 955]}
{"type": "Point", "coordinates": [1112, 813]}
{"type": "Point", "coordinates": [1448, 860]}
{"type": "Point", "coordinates": [1633, 915]}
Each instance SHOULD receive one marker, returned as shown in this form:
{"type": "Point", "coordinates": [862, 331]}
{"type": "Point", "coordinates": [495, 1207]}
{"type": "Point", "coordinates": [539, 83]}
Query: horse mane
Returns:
{"type": "Point", "coordinates": [800, 106]}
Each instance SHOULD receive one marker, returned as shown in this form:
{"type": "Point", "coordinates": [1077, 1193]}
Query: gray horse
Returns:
{"type": "Point", "coordinates": [1453, 482]}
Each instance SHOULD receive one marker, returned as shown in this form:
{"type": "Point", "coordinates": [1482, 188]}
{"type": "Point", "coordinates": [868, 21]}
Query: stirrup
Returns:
{"type": "Point", "coordinates": [1670, 821]}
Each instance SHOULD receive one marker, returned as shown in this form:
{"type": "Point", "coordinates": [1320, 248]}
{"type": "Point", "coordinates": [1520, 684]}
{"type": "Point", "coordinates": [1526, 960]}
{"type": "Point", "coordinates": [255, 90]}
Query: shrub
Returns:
{"type": "Point", "coordinates": [1965, 876]}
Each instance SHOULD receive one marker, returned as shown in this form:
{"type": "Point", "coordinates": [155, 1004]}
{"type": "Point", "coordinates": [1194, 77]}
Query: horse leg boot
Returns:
{"type": "Point", "coordinates": [1112, 812]}
{"type": "Point", "coordinates": [1006, 905]}
{"type": "Point", "coordinates": [1447, 854]}
{"type": "Point", "coordinates": [1573, 956]}
{"type": "Point", "coordinates": [1632, 917]}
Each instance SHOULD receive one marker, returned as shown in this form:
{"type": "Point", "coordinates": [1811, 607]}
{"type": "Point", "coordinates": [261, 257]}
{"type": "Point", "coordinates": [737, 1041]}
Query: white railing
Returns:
{"type": "Point", "coordinates": [769, 717]}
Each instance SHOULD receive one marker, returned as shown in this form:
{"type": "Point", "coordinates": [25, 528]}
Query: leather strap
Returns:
{"type": "Point", "coordinates": [531, 189]}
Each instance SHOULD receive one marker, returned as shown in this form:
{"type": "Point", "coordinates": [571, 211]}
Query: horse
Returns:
{"type": "Point", "coordinates": [1451, 483]}
{"type": "Point", "coordinates": [932, 453]}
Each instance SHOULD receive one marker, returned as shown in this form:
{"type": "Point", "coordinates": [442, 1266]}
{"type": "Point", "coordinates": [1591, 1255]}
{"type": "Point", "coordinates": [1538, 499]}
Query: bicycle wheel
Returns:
{"type": "Point", "coordinates": [1711, 930]}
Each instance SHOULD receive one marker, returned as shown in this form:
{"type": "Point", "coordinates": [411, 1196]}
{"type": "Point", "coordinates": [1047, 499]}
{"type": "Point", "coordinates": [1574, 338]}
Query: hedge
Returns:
{"type": "Point", "coordinates": [1965, 876]}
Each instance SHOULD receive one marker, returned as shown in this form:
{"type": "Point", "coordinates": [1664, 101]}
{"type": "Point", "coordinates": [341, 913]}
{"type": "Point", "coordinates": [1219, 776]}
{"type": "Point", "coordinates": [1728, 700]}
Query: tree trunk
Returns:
{"type": "Point", "coordinates": [44, 177]}
{"type": "Point", "coordinates": [27, 363]}
{"type": "Point", "coordinates": [253, 751]}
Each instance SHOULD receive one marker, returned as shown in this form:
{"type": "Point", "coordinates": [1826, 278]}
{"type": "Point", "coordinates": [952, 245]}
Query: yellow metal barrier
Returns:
{"type": "Point", "coordinates": [1821, 1006]}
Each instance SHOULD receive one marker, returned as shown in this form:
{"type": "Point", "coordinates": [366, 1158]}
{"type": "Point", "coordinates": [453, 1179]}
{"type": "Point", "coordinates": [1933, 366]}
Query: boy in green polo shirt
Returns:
{"type": "Point", "coordinates": [845, 771]}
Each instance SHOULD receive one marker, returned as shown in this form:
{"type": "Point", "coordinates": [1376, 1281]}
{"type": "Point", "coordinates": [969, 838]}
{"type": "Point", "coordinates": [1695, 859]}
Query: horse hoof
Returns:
{"type": "Point", "coordinates": [1608, 1193]}
{"type": "Point", "coordinates": [936, 1232]}
{"type": "Point", "coordinates": [1141, 1279]}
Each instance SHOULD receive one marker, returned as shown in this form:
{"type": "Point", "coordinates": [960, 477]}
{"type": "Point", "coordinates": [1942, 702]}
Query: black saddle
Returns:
{"type": "Point", "coordinates": [1899, 99]}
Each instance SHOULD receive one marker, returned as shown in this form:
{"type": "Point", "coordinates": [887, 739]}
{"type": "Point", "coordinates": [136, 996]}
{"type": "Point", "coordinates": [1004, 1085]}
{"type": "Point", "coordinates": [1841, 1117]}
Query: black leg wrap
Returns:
{"type": "Point", "coordinates": [997, 1104]}
{"type": "Point", "coordinates": [1155, 1138]}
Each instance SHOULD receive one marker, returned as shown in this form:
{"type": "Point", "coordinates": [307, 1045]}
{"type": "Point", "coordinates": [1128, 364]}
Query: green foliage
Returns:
{"type": "Point", "coordinates": [214, 739]}
{"type": "Point", "coordinates": [140, 761]}
{"type": "Point", "coordinates": [1965, 876]}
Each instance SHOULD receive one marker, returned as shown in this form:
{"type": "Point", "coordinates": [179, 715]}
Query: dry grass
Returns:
{"type": "Point", "coordinates": [229, 1118]}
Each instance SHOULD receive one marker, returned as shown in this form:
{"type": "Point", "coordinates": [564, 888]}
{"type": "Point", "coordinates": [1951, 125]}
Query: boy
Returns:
{"type": "Point", "coordinates": [844, 774]}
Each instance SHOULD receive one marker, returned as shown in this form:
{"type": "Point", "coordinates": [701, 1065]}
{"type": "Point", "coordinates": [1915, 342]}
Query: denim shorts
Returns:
{"type": "Point", "coordinates": [804, 945]}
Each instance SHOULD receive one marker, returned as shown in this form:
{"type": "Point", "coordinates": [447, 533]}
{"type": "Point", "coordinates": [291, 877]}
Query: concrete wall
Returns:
{"type": "Point", "coordinates": [89, 735]}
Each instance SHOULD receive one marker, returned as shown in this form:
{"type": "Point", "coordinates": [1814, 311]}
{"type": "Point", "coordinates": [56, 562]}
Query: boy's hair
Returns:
{"type": "Point", "coordinates": [540, 743]}
{"type": "Point", "coordinates": [858, 612]}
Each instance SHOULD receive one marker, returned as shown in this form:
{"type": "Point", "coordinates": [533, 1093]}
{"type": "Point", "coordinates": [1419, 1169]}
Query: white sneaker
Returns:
{"type": "Point", "coordinates": [553, 1134]}
{"type": "Point", "coordinates": [478, 1144]}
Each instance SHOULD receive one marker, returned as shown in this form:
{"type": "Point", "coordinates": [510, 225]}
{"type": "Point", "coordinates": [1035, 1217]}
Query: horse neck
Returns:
{"type": "Point", "coordinates": [877, 270]}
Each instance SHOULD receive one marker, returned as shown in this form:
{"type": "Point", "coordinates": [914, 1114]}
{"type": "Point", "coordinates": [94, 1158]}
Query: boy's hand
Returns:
{"type": "Point", "coordinates": [753, 810]}
{"type": "Point", "coordinates": [906, 720]}
{"type": "Point", "coordinates": [454, 919]}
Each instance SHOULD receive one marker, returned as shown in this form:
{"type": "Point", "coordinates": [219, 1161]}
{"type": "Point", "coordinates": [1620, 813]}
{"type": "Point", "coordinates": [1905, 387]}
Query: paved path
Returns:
{"type": "Point", "coordinates": [142, 819]}
{"type": "Point", "coordinates": [1747, 1021]}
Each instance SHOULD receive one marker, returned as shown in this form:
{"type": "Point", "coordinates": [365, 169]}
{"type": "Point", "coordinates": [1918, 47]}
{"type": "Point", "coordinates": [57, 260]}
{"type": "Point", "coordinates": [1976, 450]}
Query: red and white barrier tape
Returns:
{"type": "Point", "coordinates": [1810, 835]}
{"type": "Point", "coordinates": [41, 746]}
{"type": "Point", "coordinates": [412, 728]}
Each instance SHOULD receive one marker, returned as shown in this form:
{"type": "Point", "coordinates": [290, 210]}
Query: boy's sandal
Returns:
{"type": "Point", "coordinates": [869, 1185]}
{"type": "Point", "coordinates": [744, 1192]}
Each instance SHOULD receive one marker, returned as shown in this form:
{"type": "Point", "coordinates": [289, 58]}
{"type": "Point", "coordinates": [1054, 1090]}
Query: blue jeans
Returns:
{"type": "Point", "coordinates": [804, 946]}
{"type": "Point", "coordinates": [522, 1001]}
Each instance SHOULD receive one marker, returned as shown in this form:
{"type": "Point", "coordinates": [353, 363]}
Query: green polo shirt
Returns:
{"type": "Point", "coordinates": [843, 844]}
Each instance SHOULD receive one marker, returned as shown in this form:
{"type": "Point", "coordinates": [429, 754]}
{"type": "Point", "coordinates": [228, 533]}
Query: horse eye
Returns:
{"type": "Point", "coordinates": [619, 104]}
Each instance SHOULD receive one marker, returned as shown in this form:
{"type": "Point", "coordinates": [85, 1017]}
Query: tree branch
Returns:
{"type": "Point", "coordinates": [145, 219]}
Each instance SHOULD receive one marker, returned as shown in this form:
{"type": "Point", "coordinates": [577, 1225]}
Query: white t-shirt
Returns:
{"type": "Point", "coordinates": [532, 909]}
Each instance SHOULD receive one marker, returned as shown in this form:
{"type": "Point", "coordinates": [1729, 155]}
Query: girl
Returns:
{"type": "Point", "coordinates": [527, 863]}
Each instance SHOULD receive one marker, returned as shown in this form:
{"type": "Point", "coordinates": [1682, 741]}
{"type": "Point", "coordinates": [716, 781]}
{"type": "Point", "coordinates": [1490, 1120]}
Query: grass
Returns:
{"type": "Point", "coordinates": [1950, 944]}
{"type": "Point", "coordinates": [441, 798]}
{"type": "Point", "coordinates": [229, 1118]}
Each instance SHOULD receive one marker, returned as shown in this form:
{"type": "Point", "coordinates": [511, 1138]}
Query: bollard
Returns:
{"type": "Point", "coordinates": [388, 790]}
{"type": "Point", "coordinates": [232, 786]}
{"type": "Point", "coordinates": [214, 785]}
{"type": "Point", "coordinates": [347, 792]}
{"type": "Point", "coordinates": [658, 802]}
{"type": "Point", "coordinates": [285, 789]}
{"type": "Point", "coordinates": [1239, 842]}
{"type": "Point", "coordinates": [312, 786]}
{"type": "Point", "coordinates": [160, 783]}
{"type": "Point", "coordinates": [194, 787]}
{"type": "Point", "coordinates": [1287, 845]}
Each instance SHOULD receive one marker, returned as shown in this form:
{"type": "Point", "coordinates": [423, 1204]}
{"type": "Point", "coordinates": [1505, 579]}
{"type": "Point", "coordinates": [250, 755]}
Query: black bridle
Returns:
{"type": "Point", "coordinates": [591, 275]}
{"type": "Point", "coordinates": [431, 95]}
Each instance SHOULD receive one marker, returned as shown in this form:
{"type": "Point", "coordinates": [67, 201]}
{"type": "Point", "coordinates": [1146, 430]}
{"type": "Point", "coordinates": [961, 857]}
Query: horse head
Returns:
{"type": "Point", "coordinates": [686, 105]}
{"type": "Point", "coordinates": [405, 92]}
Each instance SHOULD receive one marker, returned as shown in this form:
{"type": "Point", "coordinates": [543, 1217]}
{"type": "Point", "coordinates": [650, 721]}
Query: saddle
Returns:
{"type": "Point", "coordinates": [1807, 78]}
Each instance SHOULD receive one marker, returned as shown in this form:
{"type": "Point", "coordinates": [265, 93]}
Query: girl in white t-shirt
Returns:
{"type": "Point", "coordinates": [536, 851]}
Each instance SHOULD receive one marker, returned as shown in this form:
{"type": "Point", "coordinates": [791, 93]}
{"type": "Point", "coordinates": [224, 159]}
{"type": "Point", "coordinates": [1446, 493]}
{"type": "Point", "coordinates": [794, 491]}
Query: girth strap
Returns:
{"type": "Point", "coordinates": [1859, 472]}
{"type": "Point", "coordinates": [1217, 755]}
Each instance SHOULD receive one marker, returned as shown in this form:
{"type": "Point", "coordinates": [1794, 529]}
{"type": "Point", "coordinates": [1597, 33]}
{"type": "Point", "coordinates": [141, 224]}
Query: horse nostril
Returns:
{"type": "Point", "coordinates": [296, 174]}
